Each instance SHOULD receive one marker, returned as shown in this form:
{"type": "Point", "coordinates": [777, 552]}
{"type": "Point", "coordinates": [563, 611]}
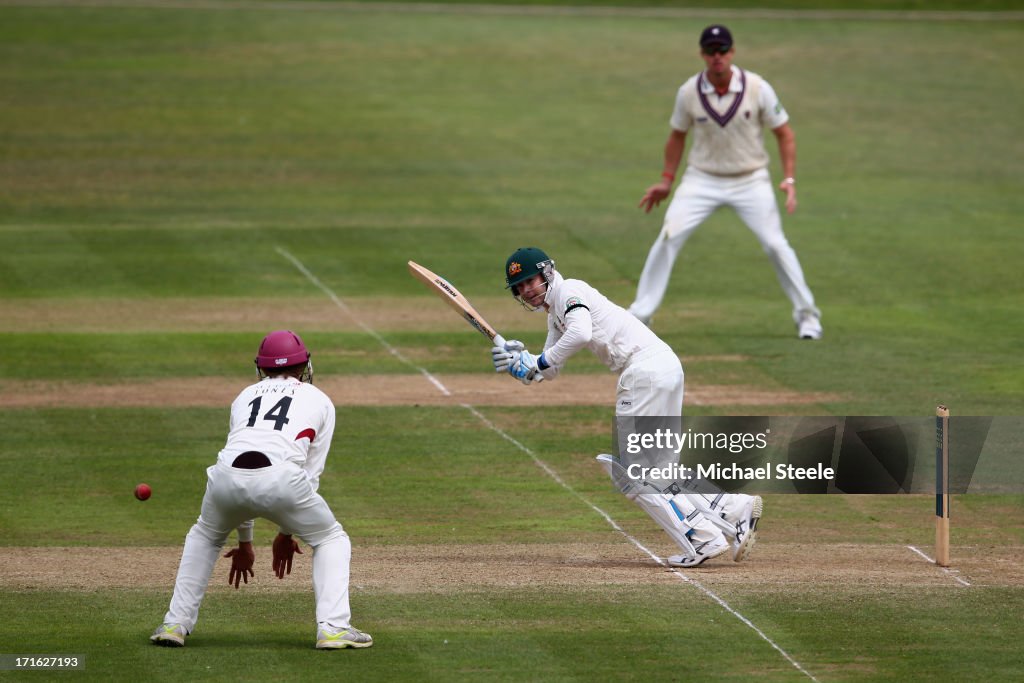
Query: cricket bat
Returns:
{"type": "Point", "coordinates": [454, 298]}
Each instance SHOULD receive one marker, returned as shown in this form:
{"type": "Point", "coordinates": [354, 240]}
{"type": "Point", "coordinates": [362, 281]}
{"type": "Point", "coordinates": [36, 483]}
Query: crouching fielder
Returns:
{"type": "Point", "coordinates": [650, 384]}
{"type": "Point", "coordinates": [281, 430]}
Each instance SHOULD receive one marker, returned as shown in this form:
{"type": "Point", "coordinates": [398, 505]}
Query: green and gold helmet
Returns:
{"type": "Point", "coordinates": [524, 264]}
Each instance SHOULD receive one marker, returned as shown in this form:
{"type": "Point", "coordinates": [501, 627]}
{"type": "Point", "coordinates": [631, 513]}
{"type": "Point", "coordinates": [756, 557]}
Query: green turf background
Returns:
{"type": "Point", "coordinates": [158, 152]}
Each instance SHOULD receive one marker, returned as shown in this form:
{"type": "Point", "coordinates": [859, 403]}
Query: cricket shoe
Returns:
{"type": "Point", "coordinates": [809, 327]}
{"type": "Point", "coordinates": [328, 638]}
{"type": "Point", "coordinates": [169, 635]}
{"type": "Point", "coordinates": [704, 552]}
{"type": "Point", "coordinates": [746, 529]}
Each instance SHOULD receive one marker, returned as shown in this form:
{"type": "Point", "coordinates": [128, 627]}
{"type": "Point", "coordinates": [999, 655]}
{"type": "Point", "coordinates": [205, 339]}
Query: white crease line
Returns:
{"type": "Point", "coordinates": [363, 326]}
{"type": "Point", "coordinates": [483, 9]}
{"type": "Point", "coordinates": [544, 466]}
{"type": "Point", "coordinates": [683, 577]}
{"type": "Point", "coordinates": [949, 572]}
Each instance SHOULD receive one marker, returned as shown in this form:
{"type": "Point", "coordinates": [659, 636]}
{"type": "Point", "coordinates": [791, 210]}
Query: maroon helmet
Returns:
{"type": "Point", "coordinates": [282, 349]}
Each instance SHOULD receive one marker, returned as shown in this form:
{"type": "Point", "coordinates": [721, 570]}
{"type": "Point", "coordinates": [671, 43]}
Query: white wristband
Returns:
{"type": "Point", "coordinates": [245, 531]}
{"type": "Point", "coordinates": [789, 181]}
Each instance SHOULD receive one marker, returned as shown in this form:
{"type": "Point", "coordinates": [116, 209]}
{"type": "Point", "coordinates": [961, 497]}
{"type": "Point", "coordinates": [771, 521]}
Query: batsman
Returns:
{"type": "Point", "coordinates": [650, 385]}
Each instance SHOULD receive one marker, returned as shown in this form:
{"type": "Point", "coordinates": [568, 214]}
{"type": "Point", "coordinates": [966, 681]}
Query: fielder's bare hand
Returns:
{"type": "Point", "coordinates": [242, 559]}
{"type": "Point", "coordinates": [284, 548]}
{"type": "Point", "coordinates": [790, 189]}
{"type": "Point", "coordinates": [655, 194]}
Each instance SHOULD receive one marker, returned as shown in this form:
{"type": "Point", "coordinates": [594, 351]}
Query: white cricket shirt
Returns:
{"type": "Point", "coordinates": [580, 316]}
{"type": "Point", "coordinates": [728, 130]}
{"type": "Point", "coordinates": [285, 419]}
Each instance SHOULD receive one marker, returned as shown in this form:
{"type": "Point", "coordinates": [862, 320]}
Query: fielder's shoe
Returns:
{"type": "Point", "coordinates": [746, 529]}
{"type": "Point", "coordinates": [328, 638]}
{"type": "Point", "coordinates": [704, 552]}
{"type": "Point", "coordinates": [809, 327]}
{"type": "Point", "coordinates": [169, 635]}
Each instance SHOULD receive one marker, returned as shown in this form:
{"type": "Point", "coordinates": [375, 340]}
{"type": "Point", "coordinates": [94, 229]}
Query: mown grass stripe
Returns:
{"type": "Point", "coordinates": [484, 9]}
{"type": "Point", "coordinates": [547, 468]}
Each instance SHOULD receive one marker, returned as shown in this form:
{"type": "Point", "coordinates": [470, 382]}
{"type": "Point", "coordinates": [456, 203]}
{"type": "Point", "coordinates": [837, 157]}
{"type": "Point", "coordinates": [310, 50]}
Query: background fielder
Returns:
{"type": "Point", "coordinates": [726, 108]}
{"type": "Point", "coordinates": [650, 384]}
{"type": "Point", "coordinates": [280, 433]}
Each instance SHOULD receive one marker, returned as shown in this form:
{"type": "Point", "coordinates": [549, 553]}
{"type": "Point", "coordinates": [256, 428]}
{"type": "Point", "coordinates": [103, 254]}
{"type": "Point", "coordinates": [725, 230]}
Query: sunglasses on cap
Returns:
{"type": "Point", "coordinates": [716, 49]}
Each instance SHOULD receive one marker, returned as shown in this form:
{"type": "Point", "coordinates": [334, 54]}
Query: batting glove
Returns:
{"type": "Point", "coordinates": [524, 368]}
{"type": "Point", "coordinates": [504, 357]}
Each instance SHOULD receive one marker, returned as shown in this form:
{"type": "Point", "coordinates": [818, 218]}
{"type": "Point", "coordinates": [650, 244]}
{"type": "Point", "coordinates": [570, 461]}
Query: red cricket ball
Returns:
{"type": "Point", "coordinates": [142, 491]}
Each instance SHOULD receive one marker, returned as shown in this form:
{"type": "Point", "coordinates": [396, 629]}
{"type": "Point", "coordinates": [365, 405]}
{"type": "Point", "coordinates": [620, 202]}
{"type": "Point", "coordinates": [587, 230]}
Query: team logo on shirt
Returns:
{"type": "Point", "coordinates": [572, 303]}
{"type": "Point", "coordinates": [514, 268]}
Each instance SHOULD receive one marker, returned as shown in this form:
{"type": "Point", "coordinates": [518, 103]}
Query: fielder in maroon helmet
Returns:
{"type": "Point", "coordinates": [284, 352]}
{"type": "Point", "coordinates": [281, 430]}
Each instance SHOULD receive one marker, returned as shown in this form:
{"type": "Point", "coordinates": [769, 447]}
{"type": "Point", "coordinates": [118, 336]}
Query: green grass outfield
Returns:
{"type": "Point", "coordinates": [161, 166]}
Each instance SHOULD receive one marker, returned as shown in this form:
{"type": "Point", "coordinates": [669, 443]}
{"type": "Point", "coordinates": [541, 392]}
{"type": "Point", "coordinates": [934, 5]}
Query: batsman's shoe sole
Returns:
{"type": "Point", "coordinates": [339, 640]}
{"type": "Point", "coordinates": [705, 553]}
{"type": "Point", "coordinates": [169, 635]}
{"type": "Point", "coordinates": [746, 531]}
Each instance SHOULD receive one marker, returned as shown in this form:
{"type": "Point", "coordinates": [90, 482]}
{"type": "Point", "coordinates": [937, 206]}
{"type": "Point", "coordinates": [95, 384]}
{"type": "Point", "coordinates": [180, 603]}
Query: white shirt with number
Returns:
{"type": "Point", "coordinates": [285, 419]}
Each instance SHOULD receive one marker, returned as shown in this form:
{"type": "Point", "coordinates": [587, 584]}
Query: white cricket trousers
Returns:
{"type": "Point", "coordinates": [651, 385]}
{"type": "Point", "coordinates": [697, 196]}
{"type": "Point", "coordinates": [282, 494]}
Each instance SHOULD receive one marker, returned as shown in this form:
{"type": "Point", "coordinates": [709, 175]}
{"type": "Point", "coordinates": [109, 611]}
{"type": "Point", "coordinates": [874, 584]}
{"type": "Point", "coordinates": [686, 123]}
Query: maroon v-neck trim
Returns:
{"type": "Point", "coordinates": [722, 119]}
